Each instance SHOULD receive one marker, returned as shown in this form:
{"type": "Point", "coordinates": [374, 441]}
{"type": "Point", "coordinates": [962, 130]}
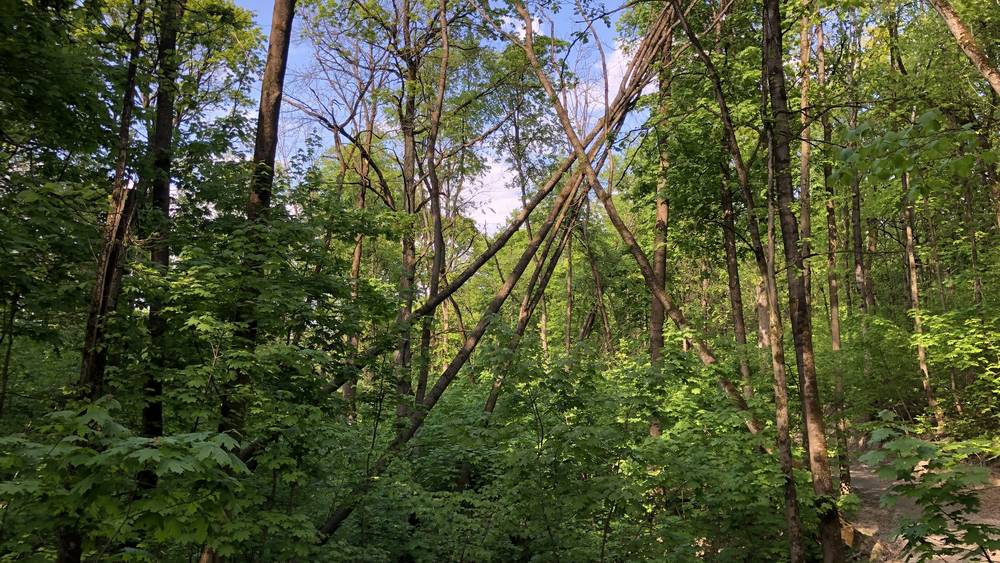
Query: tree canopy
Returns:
{"type": "Point", "coordinates": [497, 281]}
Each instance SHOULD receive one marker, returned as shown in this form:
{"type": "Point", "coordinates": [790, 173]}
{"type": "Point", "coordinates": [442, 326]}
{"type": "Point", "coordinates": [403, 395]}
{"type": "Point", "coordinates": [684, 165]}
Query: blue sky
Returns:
{"type": "Point", "coordinates": [494, 198]}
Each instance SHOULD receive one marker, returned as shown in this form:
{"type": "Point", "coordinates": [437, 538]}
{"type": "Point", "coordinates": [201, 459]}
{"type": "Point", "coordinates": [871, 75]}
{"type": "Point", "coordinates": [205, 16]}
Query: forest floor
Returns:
{"type": "Point", "coordinates": [881, 523]}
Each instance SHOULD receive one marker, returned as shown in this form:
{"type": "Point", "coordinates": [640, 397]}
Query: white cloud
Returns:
{"type": "Point", "coordinates": [515, 26]}
{"type": "Point", "coordinates": [494, 196]}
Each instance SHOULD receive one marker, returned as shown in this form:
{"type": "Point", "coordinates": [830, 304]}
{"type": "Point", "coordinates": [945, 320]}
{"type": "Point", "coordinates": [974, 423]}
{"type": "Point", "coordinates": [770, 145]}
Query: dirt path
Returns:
{"type": "Point", "coordinates": [882, 523]}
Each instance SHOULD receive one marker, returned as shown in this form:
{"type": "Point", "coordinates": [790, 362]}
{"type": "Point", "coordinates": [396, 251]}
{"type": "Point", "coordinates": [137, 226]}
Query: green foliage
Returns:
{"type": "Point", "coordinates": [82, 464]}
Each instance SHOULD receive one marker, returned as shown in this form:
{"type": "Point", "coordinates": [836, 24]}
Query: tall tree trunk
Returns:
{"type": "Point", "coordinates": [733, 277]}
{"type": "Point", "coordinates": [782, 419]}
{"type": "Point", "coordinates": [7, 338]}
{"type": "Point", "coordinates": [967, 43]}
{"type": "Point", "coordinates": [261, 185]}
{"type": "Point", "coordinates": [104, 297]}
{"type": "Point", "coordinates": [656, 312]}
{"type": "Point", "coordinates": [769, 318]}
{"type": "Point", "coordinates": [832, 247]}
{"type": "Point", "coordinates": [805, 150]}
{"type": "Point", "coordinates": [407, 281]}
{"type": "Point", "coordinates": [161, 149]}
{"type": "Point", "coordinates": [799, 306]}
{"type": "Point", "coordinates": [914, 298]}
{"type": "Point", "coordinates": [438, 260]}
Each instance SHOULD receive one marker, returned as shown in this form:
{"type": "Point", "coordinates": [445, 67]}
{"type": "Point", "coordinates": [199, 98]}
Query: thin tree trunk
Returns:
{"type": "Point", "coordinates": [104, 298]}
{"type": "Point", "coordinates": [769, 317]}
{"type": "Point", "coordinates": [967, 43]}
{"type": "Point", "coordinates": [733, 277]}
{"type": "Point", "coordinates": [662, 202]}
{"type": "Point", "coordinates": [407, 281]}
{"type": "Point", "coordinates": [832, 247]}
{"type": "Point", "coordinates": [438, 261]}
{"type": "Point", "coordinates": [914, 298]}
{"type": "Point", "coordinates": [805, 150]}
{"type": "Point", "coordinates": [782, 419]}
{"type": "Point", "coordinates": [8, 339]}
{"type": "Point", "coordinates": [799, 306]}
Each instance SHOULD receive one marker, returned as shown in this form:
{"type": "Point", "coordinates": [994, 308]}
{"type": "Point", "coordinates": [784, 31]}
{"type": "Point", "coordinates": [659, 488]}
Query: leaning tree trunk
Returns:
{"type": "Point", "coordinates": [967, 43]}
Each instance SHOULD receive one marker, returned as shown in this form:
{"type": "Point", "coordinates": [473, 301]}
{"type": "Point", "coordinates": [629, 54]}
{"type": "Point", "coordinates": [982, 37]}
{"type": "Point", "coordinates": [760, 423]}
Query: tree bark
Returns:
{"type": "Point", "coordinates": [662, 202]}
{"type": "Point", "coordinates": [161, 149]}
{"type": "Point", "coordinates": [769, 318]}
{"type": "Point", "coordinates": [104, 297]}
{"type": "Point", "coordinates": [407, 280]}
{"type": "Point", "coordinates": [832, 248]}
{"type": "Point", "coordinates": [438, 261]}
{"type": "Point", "coordinates": [796, 549]}
{"type": "Point", "coordinates": [805, 151]}
{"type": "Point", "coordinates": [914, 298]}
{"type": "Point", "coordinates": [967, 43]}
{"type": "Point", "coordinates": [801, 315]}
{"type": "Point", "coordinates": [733, 277]}
{"type": "Point", "coordinates": [233, 409]}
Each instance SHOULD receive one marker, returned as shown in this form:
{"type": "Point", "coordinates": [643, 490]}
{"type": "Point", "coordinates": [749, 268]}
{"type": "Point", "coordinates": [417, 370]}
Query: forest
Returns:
{"type": "Point", "coordinates": [499, 280]}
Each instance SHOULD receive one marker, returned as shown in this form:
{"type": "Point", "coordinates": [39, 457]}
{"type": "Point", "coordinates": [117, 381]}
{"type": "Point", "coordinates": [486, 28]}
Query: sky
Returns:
{"type": "Point", "coordinates": [493, 195]}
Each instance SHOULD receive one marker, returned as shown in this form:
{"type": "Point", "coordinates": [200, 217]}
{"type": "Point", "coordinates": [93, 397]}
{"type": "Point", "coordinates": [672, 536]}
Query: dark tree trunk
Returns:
{"type": "Point", "coordinates": [161, 149]}
{"type": "Point", "coordinates": [7, 338]}
{"type": "Point", "coordinates": [733, 277]}
{"type": "Point", "coordinates": [769, 318]}
{"type": "Point", "coordinates": [261, 185]}
{"type": "Point", "coordinates": [801, 315]}
{"type": "Point", "coordinates": [438, 261]}
{"type": "Point", "coordinates": [104, 298]}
